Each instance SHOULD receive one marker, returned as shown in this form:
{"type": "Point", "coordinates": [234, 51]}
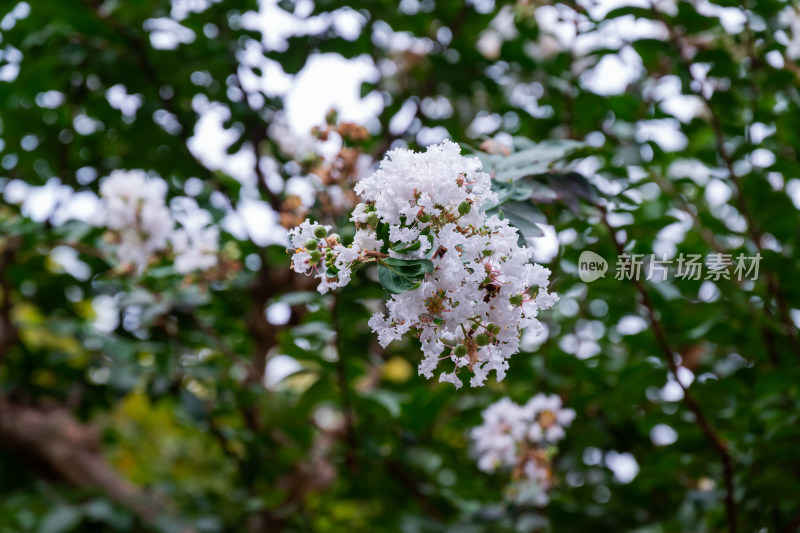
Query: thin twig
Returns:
{"type": "Point", "coordinates": [233, 357]}
{"type": "Point", "coordinates": [8, 330]}
{"type": "Point", "coordinates": [705, 426]}
{"type": "Point", "coordinates": [711, 241]}
{"type": "Point", "coordinates": [344, 388]}
{"type": "Point", "coordinates": [753, 232]}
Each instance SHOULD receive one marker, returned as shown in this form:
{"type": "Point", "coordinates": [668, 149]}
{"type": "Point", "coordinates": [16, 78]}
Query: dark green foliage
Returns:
{"type": "Point", "coordinates": [401, 275]}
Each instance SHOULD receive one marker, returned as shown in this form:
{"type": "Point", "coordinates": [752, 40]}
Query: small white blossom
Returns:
{"type": "Point", "coordinates": [519, 437]}
{"type": "Point", "coordinates": [134, 206]}
{"type": "Point", "coordinates": [547, 418]}
{"type": "Point", "coordinates": [196, 249]}
{"type": "Point", "coordinates": [135, 209]}
{"type": "Point", "coordinates": [496, 441]}
{"type": "Point", "coordinates": [317, 251]}
{"type": "Point", "coordinates": [196, 242]}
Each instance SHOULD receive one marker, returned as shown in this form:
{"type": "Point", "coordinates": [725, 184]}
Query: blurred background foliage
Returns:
{"type": "Point", "coordinates": [140, 404]}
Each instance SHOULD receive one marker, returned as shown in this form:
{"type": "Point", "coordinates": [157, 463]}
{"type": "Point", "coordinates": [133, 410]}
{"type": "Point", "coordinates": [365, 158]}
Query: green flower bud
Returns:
{"type": "Point", "coordinates": [464, 207]}
{"type": "Point", "coordinates": [424, 217]}
{"type": "Point", "coordinates": [311, 244]}
{"type": "Point", "coordinates": [372, 219]}
{"type": "Point", "coordinates": [482, 339]}
{"type": "Point", "coordinates": [490, 326]}
{"type": "Point", "coordinates": [460, 350]}
{"type": "Point", "coordinates": [320, 232]}
{"type": "Point", "coordinates": [315, 256]}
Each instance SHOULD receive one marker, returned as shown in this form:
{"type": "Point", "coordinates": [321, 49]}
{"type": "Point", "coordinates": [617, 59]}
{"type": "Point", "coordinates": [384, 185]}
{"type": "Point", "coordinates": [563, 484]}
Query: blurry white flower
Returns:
{"type": "Point", "coordinates": [135, 209]}
{"type": "Point", "coordinates": [519, 437]}
{"type": "Point", "coordinates": [134, 206]}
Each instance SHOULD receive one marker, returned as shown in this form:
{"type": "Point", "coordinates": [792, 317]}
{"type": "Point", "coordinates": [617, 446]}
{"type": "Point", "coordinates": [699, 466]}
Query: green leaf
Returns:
{"type": "Point", "coordinates": [391, 401]}
{"type": "Point", "coordinates": [400, 275]}
{"type": "Point", "coordinates": [525, 217]}
{"type": "Point", "coordinates": [402, 247]}
{"type": "Point", "coordinates": [516, 191]}
{"type": "Point", "coordinates": [536, 160]}
{"type": "Point", "coordinates": [572, 188]}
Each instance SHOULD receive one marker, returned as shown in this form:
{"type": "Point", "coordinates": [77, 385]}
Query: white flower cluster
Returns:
{"type": "Point", "coordinates": [196, 242]}
{"type": "Point", "coordinates": [520, 437]}
{"type": "Point", "coordinates": [313, 244]}
{"type": "Point", "coordinates": [135, 209]}
{"type": "Point", "coordinates": [482, 290]}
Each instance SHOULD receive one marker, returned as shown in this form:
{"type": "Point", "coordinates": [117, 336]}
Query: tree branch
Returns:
{"type": "Point", "coordinates": [8, 330]}
{"type": "Point", "coordinates": [344, 389]}
{"type": "Point", "coordinates": [753, 232]}
{"type": "Point", "coordinates": [705, 426]}
{"type": "Point", "coordinates": [73, 452]}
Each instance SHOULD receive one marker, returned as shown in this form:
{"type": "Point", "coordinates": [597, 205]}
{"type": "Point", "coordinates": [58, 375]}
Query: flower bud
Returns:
{"type": "Point", "coordinates": [482, 339]}
{"type": "Point", "coordinates": [311, 244]}
{"type": "Point", "coordinates": [372, 220]}
{"type": "Point", "coordinates": [320, 232]}
{"type": "Point", "coordinates": [460, 350]}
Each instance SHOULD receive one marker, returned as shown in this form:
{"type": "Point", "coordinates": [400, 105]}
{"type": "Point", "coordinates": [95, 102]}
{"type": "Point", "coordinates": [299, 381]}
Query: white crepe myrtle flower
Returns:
{"type": "Point", "coordinates": [547, 418]}
{"type": "Point", "coordinates": [530, 492]}
{"type": "Point", "coordinates": [135, 210]}
{"type": "Point", "coordinates": [317, 251]}
{"type": "Point", "coordinates": [480, 289]}
{"type": "Point", "coordinates": [134, 207]}
{"type": "Point", "coordinates": [520, 438]}
{"type": "Point", "coordinates": [471, 308]}
{"type": "Point", "coordinates": [195, 250]}
{"type": "Point", "coordinates": [196, 242]}
{"type": "Point", "coordinates": [496, 440]}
